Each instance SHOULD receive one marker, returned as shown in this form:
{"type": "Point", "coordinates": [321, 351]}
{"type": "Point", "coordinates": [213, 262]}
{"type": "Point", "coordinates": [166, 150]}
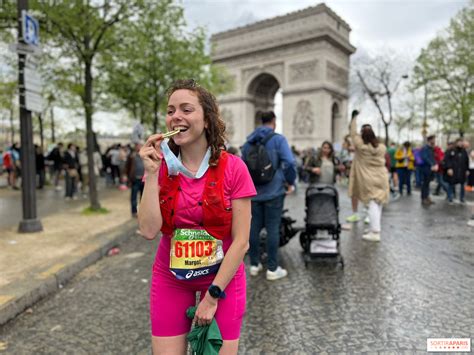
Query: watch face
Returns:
{"type": "Point", "coordinates": [214, 291]}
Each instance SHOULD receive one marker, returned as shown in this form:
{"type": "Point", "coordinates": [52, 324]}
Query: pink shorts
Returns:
{"type": "Point", "coordinates": [170, 298]}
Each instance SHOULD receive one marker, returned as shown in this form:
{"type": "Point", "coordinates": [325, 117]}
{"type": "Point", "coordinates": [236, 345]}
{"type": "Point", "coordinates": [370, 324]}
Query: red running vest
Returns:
{"type": "Point", "coordinates": [217, 217]}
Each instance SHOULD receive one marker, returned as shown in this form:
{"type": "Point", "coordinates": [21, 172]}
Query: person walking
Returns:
{"type": "Point", "coordinates": [115, 160]}
{"type": "Point", "coordinates": [134, 171]}
{"type": "Point", "coordinates": [405, 164]}
{"type": "Point", "coordinates": [394, 172]}
{"type": "Point", "coordinates": [71, 166]}
{"type": "Point", "coordinates": [470, 182]}
{"type": "Point", "coordinates": [9, 165]}
{"type": "Point", "coordinates": [267, 206]}
{"type": "Point", "coordinates": [199, 196]}
{"type": "Point", "coordinates": [439, 175]}
{"type": "Point", "coordinates": [323, 168]}
{"type": "Point", "coordinates": [369, 181]}
{"type": "Point", "coordinates": [56, 157]}
{"type": "Point", "coordinates": [428, 167]}
{"type": "Point", "coordinates": [40, 166]}
{"type": "Point", "coordinates": [418, 167]}
{"type": "Point", "coordinates": [456, 165]}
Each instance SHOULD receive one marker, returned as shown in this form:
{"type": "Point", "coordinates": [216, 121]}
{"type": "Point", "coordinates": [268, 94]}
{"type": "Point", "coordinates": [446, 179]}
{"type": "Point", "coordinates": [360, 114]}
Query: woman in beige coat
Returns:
{"type": "Point", "coordinates": [368, 181]}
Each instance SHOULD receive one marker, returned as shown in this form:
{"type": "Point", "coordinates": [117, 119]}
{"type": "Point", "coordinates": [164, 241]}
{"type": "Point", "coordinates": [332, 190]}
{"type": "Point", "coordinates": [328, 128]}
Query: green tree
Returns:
{"type": "Point", "coordinates": [8, 103]}
{"type": "Point", "coordinates": [80, 31]}
{"type": "Point", "coordinates": [155, 50]}
{"type": "Point", "coordinates": [445, 69]}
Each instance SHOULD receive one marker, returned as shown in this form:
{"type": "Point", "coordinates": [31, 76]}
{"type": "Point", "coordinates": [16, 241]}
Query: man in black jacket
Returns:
{"type": "Point", "coordinates": [456, 163]}
{"type": "Point", "coordinates": [56, 157]}
{"type": "Point", "coordinates": [71, 165]}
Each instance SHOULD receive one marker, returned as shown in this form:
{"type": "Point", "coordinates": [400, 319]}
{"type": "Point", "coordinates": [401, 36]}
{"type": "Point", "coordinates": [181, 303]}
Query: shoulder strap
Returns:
{"type": "Point", "coordinates": [267, 138]}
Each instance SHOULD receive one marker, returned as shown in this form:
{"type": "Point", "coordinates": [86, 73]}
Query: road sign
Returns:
{"type": "Point", "coordinates": [33, 101]}
{"type": "Point", "coordinates": [22, 48]}
{"type": "Point", "coordinates": [30, 28]}
{"type": "Point", "coordinates": [32, 80]}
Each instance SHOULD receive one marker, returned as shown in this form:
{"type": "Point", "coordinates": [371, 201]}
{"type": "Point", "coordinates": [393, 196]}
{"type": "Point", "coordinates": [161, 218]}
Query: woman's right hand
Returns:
{"type": "Point", "coordinates": [316, 171]}
{"type": "Point", "coordinates": [151, 153]}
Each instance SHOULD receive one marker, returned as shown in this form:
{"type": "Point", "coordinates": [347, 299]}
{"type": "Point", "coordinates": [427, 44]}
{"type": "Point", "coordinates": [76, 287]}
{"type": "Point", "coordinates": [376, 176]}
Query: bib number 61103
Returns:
{"type": "Point", "coordinates": [193, 249]}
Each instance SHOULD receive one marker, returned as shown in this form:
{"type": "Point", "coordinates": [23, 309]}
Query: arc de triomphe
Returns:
{"type": "Point", "coordinates": [306, 55]}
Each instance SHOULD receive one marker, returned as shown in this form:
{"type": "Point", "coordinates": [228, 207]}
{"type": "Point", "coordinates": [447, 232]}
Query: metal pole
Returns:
{"type": "Point", "coordinates": [30, 223]}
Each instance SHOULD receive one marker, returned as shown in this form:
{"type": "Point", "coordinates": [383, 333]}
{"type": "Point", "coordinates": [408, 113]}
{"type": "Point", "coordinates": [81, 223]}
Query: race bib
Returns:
{"type": "Point", "coordinates": [194, 253]}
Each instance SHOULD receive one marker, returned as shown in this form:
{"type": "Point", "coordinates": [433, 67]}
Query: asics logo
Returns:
{"type": "Point", "coordinates": [196, 273]}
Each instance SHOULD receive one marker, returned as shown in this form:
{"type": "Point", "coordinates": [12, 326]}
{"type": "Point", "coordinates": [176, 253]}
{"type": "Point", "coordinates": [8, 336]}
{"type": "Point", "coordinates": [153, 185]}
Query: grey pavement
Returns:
{"type": "Point", "coordinates": [34, 265]}
{"type": "Point", "coordinates": [390, 297]}
{"type": "Point", "coordinates": [48, 202]}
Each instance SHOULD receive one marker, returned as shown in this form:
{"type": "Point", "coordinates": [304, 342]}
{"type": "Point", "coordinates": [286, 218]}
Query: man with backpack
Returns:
{"type": "Point", "coordinates": [272, 167]}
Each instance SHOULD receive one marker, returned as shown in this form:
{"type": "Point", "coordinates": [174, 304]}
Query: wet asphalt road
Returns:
{"type": "Point", "coordinates": [390, 297]}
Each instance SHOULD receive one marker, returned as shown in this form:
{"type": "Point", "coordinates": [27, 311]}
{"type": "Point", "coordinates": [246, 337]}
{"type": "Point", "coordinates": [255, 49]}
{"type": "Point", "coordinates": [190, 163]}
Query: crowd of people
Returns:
{"type": "Point", "coordinates": [66, 168]}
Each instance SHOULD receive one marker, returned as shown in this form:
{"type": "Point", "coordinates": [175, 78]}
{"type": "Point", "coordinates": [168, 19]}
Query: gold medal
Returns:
{"type": "Point", "coordinates": [171, 133]}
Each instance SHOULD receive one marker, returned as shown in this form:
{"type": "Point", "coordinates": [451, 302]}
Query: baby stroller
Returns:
{"type": "Point", "coordinates": [320, 238]}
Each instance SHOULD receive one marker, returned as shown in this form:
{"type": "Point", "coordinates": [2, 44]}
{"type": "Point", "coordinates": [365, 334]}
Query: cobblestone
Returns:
{"type": "Point", "coordinates": [416, 283]}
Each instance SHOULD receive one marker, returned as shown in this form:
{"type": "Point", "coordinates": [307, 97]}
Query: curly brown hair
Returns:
{"type": "Point", "coordinates": [215, 131]}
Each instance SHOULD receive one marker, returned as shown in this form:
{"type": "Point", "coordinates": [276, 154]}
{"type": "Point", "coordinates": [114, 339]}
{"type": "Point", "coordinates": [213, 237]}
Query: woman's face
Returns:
{"type": "Point", "coordinates": [185, 112]}
{"type": "Point", "coordinates": [326, 150]}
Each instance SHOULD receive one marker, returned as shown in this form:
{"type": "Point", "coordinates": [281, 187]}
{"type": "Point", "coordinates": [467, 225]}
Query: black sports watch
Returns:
{"type": "Point", "coordinates": [216, 292]}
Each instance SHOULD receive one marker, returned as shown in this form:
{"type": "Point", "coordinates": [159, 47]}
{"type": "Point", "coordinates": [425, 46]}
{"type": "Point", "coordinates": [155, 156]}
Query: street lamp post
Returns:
{"type": "Point", "coordinates": [30, 223]}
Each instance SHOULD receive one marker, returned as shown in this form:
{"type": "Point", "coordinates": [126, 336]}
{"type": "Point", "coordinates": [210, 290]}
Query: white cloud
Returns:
{"type": "Point", "coordinates": [403, 24]}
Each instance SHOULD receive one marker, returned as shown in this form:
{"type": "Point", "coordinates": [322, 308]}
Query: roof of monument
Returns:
{"type": "Point", "coordinates": [320, 8]}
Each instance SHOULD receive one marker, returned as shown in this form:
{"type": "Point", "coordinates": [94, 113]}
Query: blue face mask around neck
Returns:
{"type": "Point", "coordinates": [175, 165]}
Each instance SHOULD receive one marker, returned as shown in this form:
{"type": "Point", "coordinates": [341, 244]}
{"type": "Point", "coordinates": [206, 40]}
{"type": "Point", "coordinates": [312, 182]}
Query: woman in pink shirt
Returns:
{"type": "Point", "coordinates": [199, 197]}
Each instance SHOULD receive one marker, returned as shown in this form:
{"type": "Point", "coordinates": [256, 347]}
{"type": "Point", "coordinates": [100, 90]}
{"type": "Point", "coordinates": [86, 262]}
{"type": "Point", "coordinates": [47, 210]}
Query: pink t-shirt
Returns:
{"type": "Point", "coordinates": [237, 184]}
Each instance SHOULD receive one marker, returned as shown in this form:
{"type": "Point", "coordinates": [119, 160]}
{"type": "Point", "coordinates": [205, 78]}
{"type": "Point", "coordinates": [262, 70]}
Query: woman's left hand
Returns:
{"type": "Point", "coordinates": [206, 310]}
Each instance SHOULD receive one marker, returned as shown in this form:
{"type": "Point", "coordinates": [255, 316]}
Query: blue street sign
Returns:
{"type": "Point", "coordinates": [30, 29]}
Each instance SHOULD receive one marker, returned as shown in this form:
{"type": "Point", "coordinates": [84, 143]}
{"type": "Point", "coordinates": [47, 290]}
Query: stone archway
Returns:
{"type": "Point", "coordinates": [304, 54]}
{"type": "Point", "coordinates": [262, 89]}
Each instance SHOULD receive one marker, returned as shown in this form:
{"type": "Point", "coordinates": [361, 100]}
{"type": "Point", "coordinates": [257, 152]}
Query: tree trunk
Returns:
{"type": "Point", "coordinates": [40, 119]}
{"type": "Point", "coordinates": [53, 137]}
{"type": "Point", "coordinates": [12, 127]}
{"type": "Point", "coordinates": [425, 117]}
{"type": "Point", "coordinates": [386, 133]}
{"type": "Point", "coordinates": [93, 195]}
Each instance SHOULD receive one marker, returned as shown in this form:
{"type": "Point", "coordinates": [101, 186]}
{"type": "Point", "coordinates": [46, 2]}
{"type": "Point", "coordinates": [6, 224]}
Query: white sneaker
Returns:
{"type": "Point", "coordinates": [277, 274]}
{"type": "Point", "coordinates": [371, 237]}
{"type": "Point", "coordinates": [254, 270]}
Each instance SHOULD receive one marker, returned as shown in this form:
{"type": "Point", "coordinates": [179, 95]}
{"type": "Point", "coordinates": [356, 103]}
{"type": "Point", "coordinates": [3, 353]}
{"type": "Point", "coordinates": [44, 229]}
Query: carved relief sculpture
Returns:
{"type": "Point", "coordinates": [337, 75]}
{"type": "Point", "coordinates": [301, 72]}
{"type": "Point", "coordinates": [303, 120]}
